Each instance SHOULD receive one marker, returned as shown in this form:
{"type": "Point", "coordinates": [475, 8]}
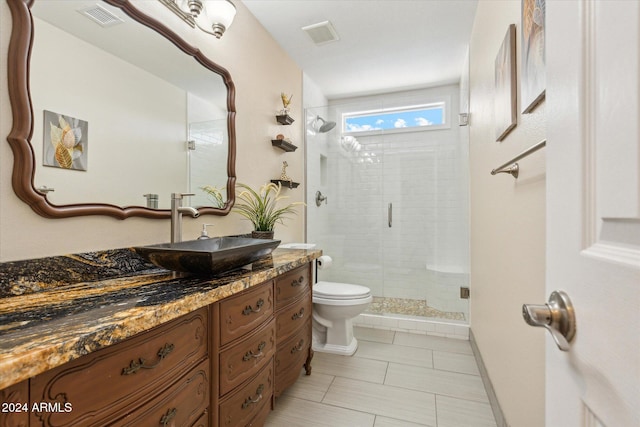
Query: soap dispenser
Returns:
{"type": "Point", "coordinates": [203, 233]}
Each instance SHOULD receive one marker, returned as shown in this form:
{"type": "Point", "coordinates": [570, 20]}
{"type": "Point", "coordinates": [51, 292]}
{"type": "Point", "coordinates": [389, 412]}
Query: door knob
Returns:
{"type": "Point", "coordinates": [557, 316]}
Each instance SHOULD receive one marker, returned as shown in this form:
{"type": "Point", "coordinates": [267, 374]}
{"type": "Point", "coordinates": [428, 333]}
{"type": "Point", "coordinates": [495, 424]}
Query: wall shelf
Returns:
{"type": "Point", "coordinates": [287, 184]}
{"type": "Point", "coordinates": [283, 145]}
{"type": "Point", "coordinates": [284, 119]}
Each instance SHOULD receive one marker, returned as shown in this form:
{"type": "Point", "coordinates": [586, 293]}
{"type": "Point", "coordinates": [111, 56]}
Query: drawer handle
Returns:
{"type": "Point", "coordinates": [248, 309]}
{"type": "Point", "coordinates": [141, 363]}
{"type": "Point", "coordinates": [250, 401]}
{"type": "Point", "coordinates": [299, 347]}
{"type": "Point", "coordinates": [168, 417]}
{"type": "Point", "coordinates": [298, 315]}
{"type": "Point", "coordinates": [251, 355]}
{"type": "Point", "coordinates": [298, 282]}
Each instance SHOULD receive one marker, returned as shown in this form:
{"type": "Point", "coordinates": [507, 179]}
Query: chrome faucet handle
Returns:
{"type": "Point", "coordinates": [176, 215]}
{"type": "Point", "coordinates": [320, 198]}
{"type": "Point", "coordinates": [179, 196]}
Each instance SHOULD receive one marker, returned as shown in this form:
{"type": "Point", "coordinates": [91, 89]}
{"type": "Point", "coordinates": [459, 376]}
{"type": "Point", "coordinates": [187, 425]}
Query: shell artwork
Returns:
{"type": "Point", "coordinates": [66, 140]}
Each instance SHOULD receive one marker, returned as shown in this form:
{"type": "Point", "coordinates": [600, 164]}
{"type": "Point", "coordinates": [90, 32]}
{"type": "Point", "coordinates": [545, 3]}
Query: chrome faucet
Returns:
{"type": "Point", "coordinates": [176, 215]}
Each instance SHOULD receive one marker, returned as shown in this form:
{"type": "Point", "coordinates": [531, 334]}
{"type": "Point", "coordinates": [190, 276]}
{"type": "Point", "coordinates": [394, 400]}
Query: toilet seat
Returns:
{"type": "Point", "coordinates": [340, 291]}
{"type": "Point", "coordinates": [335, 305]}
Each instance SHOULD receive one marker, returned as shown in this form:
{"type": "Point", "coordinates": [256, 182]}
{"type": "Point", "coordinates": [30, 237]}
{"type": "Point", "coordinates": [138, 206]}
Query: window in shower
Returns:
{"type": "Point", "coordinates": [417, 117]}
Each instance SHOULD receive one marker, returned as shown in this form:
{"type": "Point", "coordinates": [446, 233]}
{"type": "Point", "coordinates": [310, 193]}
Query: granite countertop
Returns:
{"type": "Point", "coordinates": [53, 310]}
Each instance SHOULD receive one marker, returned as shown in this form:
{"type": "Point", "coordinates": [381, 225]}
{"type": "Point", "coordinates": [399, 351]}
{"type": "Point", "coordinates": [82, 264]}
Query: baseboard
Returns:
{"type": "Point", "coordinates": [493, 399]}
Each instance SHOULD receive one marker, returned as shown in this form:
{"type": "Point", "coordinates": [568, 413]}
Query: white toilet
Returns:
{"type": "Point", "coordinates": [334, 307]}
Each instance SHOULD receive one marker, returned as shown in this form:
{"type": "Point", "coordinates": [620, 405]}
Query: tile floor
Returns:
{"type": "Point", "coordinates": [395, 379]}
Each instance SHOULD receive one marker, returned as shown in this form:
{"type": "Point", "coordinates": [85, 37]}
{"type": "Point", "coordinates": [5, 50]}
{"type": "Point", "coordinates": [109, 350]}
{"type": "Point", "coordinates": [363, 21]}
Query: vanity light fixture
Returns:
{"type": "Point", "coordinates": [211, 16]}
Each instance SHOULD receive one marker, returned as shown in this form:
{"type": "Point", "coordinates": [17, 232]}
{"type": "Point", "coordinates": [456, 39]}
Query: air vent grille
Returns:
{"type": "Point", "coordinates": [322, 33]}
{"type": "Point", "coordinates": [101, 16]}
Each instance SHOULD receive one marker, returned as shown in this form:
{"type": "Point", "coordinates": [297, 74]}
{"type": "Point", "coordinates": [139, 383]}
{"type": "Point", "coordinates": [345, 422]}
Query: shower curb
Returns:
{"type": "Point", "coordinates": [491, 393]}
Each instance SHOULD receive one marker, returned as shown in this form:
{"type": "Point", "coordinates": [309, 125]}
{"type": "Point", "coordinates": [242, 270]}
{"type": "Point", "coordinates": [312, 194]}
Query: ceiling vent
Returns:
{"type": "Point", "coordinates": [322, 33]}
{"type": "Point", "coordinates": [101, 16]}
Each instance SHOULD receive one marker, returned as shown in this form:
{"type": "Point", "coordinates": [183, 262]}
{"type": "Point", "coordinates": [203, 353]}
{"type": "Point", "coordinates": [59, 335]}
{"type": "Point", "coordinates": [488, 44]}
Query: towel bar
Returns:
{"type": "Point", "coordinates": [511, 167]}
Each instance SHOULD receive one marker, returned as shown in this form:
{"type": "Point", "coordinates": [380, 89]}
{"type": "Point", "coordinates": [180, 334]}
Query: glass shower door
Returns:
{"type": "Point", "coordinates": [425, 241]}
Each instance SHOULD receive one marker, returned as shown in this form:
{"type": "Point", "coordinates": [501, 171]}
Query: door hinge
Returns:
{"type": "Point", "coordinates": [464, 292]}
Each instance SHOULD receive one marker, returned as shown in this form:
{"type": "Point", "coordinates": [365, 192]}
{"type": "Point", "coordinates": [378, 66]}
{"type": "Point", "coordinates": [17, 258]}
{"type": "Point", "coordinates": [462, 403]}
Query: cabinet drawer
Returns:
{"type": "Point", "coordinates": [244, 405]}
{"type": "Point", "coordinates": [104, 385]}
{"type": "Point", "coordinates": [291, 285]}
{"type": "Point", "coordinates": [245, 312]}
{"type": "Point", "coordinates": [179, 406]}
{"type": "Point", "coordinates": [261, 417]}
{"type": "Point", "coordinates": [203, 421]}
{"type": "Point", "coordinates": [290, 357]}
{"type": "Point", "coordinates": [293, 318]}
{"type": "Point", "coordinates": [13, 411]}
{"type": "Point", "coordinates": [245, 359]}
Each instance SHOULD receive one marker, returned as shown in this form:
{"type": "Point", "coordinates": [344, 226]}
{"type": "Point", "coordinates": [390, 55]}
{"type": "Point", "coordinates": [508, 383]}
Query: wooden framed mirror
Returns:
{"type": "Point", "coordinates": [113, 120]}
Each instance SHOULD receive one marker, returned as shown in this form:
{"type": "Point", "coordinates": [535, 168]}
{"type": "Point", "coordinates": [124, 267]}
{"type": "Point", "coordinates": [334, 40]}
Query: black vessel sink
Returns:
{"type": "Point", "coordinates": [208, 256]}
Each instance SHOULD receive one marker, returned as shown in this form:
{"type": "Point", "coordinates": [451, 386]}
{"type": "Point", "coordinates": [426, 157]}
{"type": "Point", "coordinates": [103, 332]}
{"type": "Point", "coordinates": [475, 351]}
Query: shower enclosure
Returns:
{"type": "Point", "coordinates": [392, 203]}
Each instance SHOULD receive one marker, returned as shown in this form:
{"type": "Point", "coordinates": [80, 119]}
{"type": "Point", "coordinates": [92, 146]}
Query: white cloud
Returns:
{"type": "Point", "coordinates": [353, 127]}
{"type": "Point", "coordinates": [421, 121]}
{"type": "Point", "coordinates": [379, 122]}
{"type": "Point", "coordinates": [400, 123]}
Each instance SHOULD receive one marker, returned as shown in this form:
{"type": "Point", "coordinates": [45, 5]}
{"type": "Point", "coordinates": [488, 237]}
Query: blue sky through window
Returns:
{"type": "Point", "coordinates": [432, 115]}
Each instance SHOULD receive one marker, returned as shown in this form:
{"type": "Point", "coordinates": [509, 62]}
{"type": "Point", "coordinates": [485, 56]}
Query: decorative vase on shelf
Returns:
{"type": "Point", "coordinates": [284, 118]}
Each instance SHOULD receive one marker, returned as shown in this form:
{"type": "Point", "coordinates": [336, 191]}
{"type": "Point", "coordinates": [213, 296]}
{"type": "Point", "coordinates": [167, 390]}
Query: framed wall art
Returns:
{"type": "Point", "coordinates": [533, 78]}
{"type": "Point", "coordinates": [505, 95]}
{"type": "Point", "coordinates": [65, 141]}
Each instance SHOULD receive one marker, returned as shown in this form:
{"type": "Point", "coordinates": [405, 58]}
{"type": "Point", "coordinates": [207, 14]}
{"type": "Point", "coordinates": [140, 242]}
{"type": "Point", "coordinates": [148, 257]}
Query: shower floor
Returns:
{"type": "Point", "coordinates": [411, 307]}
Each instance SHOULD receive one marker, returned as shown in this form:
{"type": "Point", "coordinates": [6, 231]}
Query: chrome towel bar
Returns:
{"type": "Point", "coordinates": [511, 167]}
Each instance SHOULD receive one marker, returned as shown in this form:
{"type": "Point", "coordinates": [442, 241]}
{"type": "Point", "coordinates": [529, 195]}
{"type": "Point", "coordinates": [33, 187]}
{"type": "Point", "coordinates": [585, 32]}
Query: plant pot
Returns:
{"type": "Point", "coordinates": [262, 234]}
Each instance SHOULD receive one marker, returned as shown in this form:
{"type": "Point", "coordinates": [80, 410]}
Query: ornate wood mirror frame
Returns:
{"type": "Point", "coordinates": [24, 164]}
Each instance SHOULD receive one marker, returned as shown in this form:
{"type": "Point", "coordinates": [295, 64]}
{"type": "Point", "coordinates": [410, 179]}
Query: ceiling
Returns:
{"type": "Point", "coordinates": [385, 45]}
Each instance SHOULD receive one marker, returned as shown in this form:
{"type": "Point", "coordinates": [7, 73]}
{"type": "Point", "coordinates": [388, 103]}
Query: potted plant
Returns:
{"type": "Point", "coordinates": [261, 208]}
{"type": "Point", "coordinates": [214, 194]}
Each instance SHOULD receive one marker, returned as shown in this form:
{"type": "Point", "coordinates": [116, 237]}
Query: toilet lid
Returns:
{"type": "Point", "coordinates": [332, 290]}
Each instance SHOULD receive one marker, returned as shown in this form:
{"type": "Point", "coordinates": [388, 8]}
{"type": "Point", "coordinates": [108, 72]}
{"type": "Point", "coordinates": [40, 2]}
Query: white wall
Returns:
{"type": "Point", "coordinates": [260, 70]}
{"type": "Point", "coordinates": [507, 230]}
{"type": "Point", "coordinates": [113, 144]}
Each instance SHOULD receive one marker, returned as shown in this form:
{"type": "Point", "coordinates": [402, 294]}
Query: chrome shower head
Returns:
{"type": "Point", "coordinates": [326, 126]}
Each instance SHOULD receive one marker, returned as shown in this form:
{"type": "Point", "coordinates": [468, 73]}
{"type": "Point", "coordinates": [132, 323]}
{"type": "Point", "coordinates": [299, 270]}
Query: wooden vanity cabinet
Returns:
{"type": "Point", "coordinates": [262, 339]}
{"type": "Point", "coordinates": [221, 365]}
{"type": "Point", "coordinates": [293, 326]}
{"type": "Point", "coordinates": [155, 378]}
{"type": "Point", "coordinates": [244, 340]}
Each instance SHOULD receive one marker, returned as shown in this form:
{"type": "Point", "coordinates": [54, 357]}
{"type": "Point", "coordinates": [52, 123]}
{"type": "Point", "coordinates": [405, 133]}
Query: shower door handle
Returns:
{"type": "Point", "coordinates": [390, 214]}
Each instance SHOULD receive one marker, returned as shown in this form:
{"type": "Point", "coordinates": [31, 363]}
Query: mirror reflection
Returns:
{"type": "Point", "coordinates": [122, 116]}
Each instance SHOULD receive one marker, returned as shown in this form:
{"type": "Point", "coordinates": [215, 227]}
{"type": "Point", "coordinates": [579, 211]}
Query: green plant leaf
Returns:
{"type": "Point", "coordinates": [261, 207]}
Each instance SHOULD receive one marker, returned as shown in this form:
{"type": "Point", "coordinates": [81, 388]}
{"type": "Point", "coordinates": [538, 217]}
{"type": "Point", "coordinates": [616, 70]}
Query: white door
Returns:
{"type": "Point", "coordinates": [593, 209]}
